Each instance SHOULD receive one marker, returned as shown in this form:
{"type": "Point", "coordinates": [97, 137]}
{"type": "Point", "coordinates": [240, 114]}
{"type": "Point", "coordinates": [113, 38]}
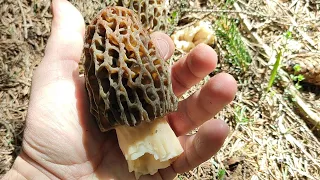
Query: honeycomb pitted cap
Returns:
{"type": "Point", "coordinates": [153, 14]}
{"type": "Point", "coordinates": [126, 79]}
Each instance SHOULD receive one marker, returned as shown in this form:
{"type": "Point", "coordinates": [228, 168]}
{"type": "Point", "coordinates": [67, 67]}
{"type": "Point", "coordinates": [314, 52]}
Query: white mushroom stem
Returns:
{"type": "Point", "coordinates": [149, 146]}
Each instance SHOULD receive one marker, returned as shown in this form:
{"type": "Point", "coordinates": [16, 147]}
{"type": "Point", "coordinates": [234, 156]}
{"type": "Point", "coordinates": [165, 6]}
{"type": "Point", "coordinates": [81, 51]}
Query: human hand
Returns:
{"type": "Point", "coordinates": [63, 141]}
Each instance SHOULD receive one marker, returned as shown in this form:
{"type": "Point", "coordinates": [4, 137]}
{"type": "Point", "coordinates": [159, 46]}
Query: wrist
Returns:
{"type": "Point", "coordinates": [22, 169]}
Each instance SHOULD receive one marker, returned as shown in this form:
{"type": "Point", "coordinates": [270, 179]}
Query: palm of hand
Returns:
{"type": "Point", "coordinates": [65, 139]}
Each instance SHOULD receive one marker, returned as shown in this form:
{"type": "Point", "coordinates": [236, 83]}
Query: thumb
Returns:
{"type": "Point", "coordinates": [164, 44]}
{"type": "Point", "coordinates": [64, 46]}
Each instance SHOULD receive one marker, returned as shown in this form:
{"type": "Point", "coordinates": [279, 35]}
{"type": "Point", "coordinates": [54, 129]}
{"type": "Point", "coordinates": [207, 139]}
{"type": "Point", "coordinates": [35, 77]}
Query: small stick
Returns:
{"type": "Point", "coordinates": [304, 109]}
{"type": "Point", "coordinates": [46, 8]}
{"type": "Point", "coordinates": [227, 11]}
{"type": "Point", "coordinates": [24, 20]}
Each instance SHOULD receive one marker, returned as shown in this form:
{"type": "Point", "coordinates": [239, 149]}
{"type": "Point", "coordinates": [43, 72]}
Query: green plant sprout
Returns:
{"type": "Point", "coordinates": [297, 78]}
{"type": "Point", "coordinates": [229, 2]}
{"type": "Point", "coordinates": [221, 174]}
{"type": "Point", "coordinates": [230, 36]}
{"type": "Point", "coordinates": [279, 57]}
{"type": "Point", "coordinates": [173, 18]}
{"type": "Point", "coordinates": [240, 115]}
{"type": "Point", "coordinates": [275, 69]}
{"type": "Point", "coordinates": [231, 40]}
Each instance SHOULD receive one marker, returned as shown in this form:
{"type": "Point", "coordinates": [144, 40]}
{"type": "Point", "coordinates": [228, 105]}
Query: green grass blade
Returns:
{"type": "Point", "coordinates": [221, 174]}
{"type": "Point", "coordinates": [275, 69]}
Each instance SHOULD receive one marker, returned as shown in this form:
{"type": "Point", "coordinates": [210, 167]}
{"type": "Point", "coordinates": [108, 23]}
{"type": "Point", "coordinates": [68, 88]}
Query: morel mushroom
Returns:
{"type": "Point", "coordinates": [130, 90]}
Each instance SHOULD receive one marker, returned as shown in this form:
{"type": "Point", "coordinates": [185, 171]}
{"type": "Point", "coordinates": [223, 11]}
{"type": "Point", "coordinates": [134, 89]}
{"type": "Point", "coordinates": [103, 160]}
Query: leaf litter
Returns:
{"type": "Point", "coordinates": [272, 133]}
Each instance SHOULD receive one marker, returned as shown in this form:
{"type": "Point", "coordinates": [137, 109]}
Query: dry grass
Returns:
{"type": "Point", "coordinates": [269, 138]}
{"type": "Point", "coordinates": [23, 33]}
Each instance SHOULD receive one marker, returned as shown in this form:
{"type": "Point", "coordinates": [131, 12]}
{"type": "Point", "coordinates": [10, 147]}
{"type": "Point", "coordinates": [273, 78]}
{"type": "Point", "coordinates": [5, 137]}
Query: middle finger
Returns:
{"type": "Point", "coordinates": [203, 104]}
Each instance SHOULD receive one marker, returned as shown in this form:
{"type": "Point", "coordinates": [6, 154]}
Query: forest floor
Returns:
{"type": "Point", "coordinates": [274, 126]}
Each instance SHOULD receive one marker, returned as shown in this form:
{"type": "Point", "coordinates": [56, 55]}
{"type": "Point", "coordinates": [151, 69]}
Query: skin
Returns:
{"type": "Point", "coordinates": [62, 140]}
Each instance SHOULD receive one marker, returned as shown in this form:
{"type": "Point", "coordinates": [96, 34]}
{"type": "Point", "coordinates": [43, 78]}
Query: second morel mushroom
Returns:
{"type": "Point", "coordinates": [130, 90]}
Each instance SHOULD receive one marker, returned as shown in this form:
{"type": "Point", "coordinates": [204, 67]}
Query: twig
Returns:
{"type": "Point", "coordinates": [25, 27]}
{"type": "Point", "coordinates": [24, 81]}
{"type": "Point", "coordinates": [304, 109]}
{"type": "Point", "coordinates": [227, 11]}
{"type": "Point", "coordinates": [293, 4]}
{"type": "Point", "coordinates": [6, 162]}
{"type": "Point", "coordinates": [307, 38]}
{"type": "Point", "coordinates": [46, 8]}
{"type": "Point", "coordinates": [6, 125]}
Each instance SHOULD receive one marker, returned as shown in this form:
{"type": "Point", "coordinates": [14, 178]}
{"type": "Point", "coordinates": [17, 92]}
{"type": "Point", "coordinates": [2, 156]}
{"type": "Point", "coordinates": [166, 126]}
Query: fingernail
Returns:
{"type": "Point", "coordinates": [162, 46]}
